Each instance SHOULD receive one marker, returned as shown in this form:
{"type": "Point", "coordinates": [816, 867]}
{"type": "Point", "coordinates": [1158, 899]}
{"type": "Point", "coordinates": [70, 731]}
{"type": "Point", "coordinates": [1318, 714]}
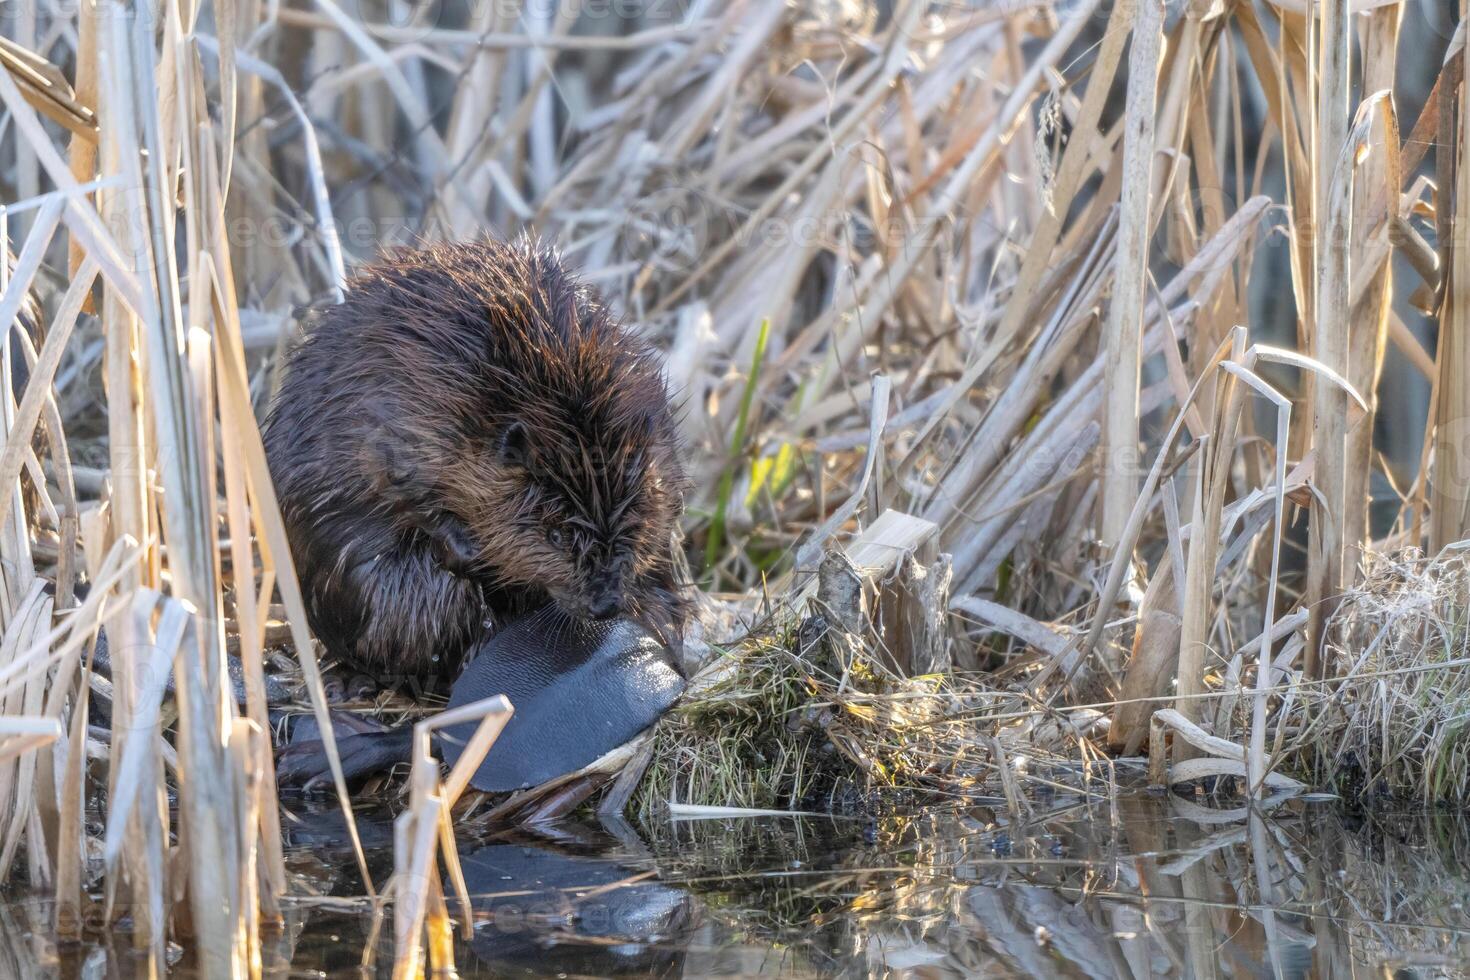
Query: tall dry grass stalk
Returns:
{"type": "Point", "coordinates": [148, 221]}
{"type": "Point", "coordinates": [424, 834]}
{"type": "Point", "coordinates": [1450, 505]}
{"type": "Point", "coordinates": [1332, 175]}
{"type": "Point", "coordinates": [1123, 329]}
{"type": "Point", "coordinates": [1123, 339]}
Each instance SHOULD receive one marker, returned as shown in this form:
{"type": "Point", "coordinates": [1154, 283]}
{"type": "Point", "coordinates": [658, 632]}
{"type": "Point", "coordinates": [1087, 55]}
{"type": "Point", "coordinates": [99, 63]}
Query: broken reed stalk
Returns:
{"type": "Point", "coordinates": [225, 779]}
{"type": "Point", "coordinates": [1333, 311]}
{"type": "Point", "coordinates": [1378, 180]}
{"type": "Point", "coordinates": [1123, 336]}
{"type": "Point", "coordinates": [178, 402]}
{"type": "Point", "coordinates": [1450, 483]}
{"type": "Point", "coordinates": [1210, 469]}
{"type": "Point", "coordinates": [424, 834]}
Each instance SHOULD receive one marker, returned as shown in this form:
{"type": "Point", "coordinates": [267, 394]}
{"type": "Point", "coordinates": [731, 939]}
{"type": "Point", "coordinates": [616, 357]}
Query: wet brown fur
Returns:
{"type": "Point", "coordinates": [467, 435]}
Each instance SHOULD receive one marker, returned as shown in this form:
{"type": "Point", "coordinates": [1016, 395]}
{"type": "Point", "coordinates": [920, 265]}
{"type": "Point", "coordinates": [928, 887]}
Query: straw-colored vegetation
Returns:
{"type": "Point", "coordinates": [1123, 315]}
{"type": "Point", "coordinates": [1395, 720]}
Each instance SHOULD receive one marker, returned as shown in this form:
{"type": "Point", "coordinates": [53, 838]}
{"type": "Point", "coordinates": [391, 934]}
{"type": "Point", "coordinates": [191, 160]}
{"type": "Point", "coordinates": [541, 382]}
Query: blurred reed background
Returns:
{"type": "Point", "coordinates": [1154, 314]}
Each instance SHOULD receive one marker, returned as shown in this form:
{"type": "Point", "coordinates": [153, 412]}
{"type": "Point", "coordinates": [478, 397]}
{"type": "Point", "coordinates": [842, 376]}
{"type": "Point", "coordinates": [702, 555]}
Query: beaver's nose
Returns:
{"type": "Point", "coordinates": [603, 607]}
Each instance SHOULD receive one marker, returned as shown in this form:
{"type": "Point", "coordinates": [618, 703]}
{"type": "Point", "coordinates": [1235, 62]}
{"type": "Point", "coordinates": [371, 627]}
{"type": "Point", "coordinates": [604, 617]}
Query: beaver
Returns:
{"type": "Point", "coordinates": [469, 435]}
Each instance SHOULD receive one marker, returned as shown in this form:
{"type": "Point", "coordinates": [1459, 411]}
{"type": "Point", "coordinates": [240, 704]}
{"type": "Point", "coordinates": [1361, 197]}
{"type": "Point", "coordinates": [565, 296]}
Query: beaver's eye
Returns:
{"type": "Point", "coordinates": [555, 537]}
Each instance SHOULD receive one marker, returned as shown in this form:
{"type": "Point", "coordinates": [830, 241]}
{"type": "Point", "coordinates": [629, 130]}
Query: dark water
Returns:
{"type": "Point", "coordinates": [1139, 887]}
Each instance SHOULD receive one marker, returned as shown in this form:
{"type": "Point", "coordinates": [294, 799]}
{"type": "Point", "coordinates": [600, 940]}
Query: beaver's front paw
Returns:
{"type": "Point", "coordinates": [305, 764]}
{"type": "Point", "coordinates": [454, 546]}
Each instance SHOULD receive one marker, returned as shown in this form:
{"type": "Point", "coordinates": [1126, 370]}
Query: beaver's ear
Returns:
{"type": "Point", "coordinates": [512, 445]}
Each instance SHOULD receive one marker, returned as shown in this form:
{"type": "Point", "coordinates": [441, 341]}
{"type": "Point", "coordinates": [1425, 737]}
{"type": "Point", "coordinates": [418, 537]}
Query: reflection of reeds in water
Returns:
{"type": "Point", "coordinates": [1072, 893]}
{"type": "Point", "coordinates": [1077, 890]}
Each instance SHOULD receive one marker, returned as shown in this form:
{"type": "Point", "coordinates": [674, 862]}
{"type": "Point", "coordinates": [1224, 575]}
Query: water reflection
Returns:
{"type": "Point", "coordinates": [581, 913]}
{"type": "Point", "coordinates": [1137, 887]}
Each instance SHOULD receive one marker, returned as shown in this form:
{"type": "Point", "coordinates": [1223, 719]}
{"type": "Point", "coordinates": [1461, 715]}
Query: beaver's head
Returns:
{"type": "Point", "coordinates": [519, 407]}
{"type": "Point", "coordinates": [571, 483]}
{"type": "Point", "coordinates": [583, 504]}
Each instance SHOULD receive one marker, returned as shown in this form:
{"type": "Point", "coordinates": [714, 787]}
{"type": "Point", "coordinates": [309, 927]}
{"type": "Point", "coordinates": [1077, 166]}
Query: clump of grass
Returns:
{"type": "Point", "coordinates": [794, 719]}
{"type": "Point", "coordinates": [736, 739]}
{"type": "Point", "coordinates": [1395, 721]}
